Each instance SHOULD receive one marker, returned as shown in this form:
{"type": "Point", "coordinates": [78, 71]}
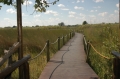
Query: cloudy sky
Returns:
{"type": "Point", "coordinates": [68, 11]}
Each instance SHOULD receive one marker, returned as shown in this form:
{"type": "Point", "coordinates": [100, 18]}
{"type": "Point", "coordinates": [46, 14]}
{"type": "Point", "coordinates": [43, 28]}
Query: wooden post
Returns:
{"type": "Point", "coordinates": [26, 71]}
{"type": "Point", "coordinates": [19, 28]}
{"type": "Point", "coordinates": [74, 33]}
{"type": "Point", "coordinates": [67, 37]}
{"type": "Point", "coordinates": [70, 35]}
{"type": "Point", "coordinates": [84, 44]}
{"type": "Point", "coordinates": [88, 50]}
{"type": "Point", "coordinates": [48, 53]}
{"type": "Point", "coordinates": [88, 47]}
{"type": "Point", "coordinates": [13, 67]}
{"type": "Point", "coordinates": [116, 68]}
{"type": "Point", "coordinates": [63, 40]}
{"type": "Point", "coordinates": [8, 64]}
{"type": "Point", "coordinates": [58, 43]}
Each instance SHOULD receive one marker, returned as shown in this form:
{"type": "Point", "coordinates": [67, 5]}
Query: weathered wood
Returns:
{"type": "Point", "coordinates": [116, 54]}
{"type": "Point", "coordinates": [69, 64]}
{"type": "Point", "coordinates": [70, 35]}
{"type": "Point", "coordinates": [118, 45]}
{"type": "Point", "coordinates": [20, 38]}
{"type": "Point", "coordinates": [12, 67]}
{"type": "Point", "coordinates": [88, 50]}
{"type": "Point", "coordinates": [48, 53]}
{"type": "Point", "coordinates": [9, 63]}
{"type": "Point", "coordinates": [63, 40]}
{"type": "Point", "coordinates": [116, 68]}
{"type": "Point", "coordinates": [88, 47]}
{"type": "Point", "coordinates": [10, 52]}
{"type": "Point", "coordinates": [26, 71]}
{"type": "Point", "coordinates": [58, 43]}
{"type": "Point", "coordinates": [116, 65]}
{"type": "Point", "coordinates": [85, 44]}
{"type": "Point", "coordinates": [67, 37]}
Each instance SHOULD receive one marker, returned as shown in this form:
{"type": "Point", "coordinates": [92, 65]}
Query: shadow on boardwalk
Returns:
{"type": "Point", "coordinates": [69, 62]}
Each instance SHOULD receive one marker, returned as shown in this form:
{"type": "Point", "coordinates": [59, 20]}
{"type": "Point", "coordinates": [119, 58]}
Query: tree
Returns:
{"type": "Point", "coordinates": [61, 24]}
{"type": "Point", "coordinates": [14, 26]}
{"type": "Point", "coordinates": [40, 5]}
{"type": "Point", "coordinates": [37, 26]}
{"type": "Point", "coordinates": [85, 22]}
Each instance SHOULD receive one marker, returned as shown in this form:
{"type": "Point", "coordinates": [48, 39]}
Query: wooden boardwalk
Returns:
{"type": "Point", "coordinates": [69, 62]}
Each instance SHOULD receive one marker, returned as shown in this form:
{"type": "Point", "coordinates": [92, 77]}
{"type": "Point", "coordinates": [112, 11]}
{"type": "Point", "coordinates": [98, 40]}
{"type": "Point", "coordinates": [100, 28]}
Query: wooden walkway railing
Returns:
{"type": "Point", "coordinates": [116, 65]}
{"type": "Point", "coordinates": [69, 62]}
{"type": "Point", "coordinates": [6, 73]}
{"type": "Point", "coordinates": [116, 60]}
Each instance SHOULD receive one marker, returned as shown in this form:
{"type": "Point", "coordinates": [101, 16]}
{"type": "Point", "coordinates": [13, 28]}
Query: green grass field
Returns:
{"type": "Point", "coordinates": [104, 37]}
{"type": "Point", "coordinates": [34, 40]}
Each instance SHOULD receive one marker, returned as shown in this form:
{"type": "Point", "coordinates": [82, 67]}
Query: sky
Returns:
{"type": "Point", "coordinates": [71, 12]}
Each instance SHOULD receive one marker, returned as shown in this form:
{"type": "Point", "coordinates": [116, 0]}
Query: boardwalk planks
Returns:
{"type": "Point", "coordinates": [69, 62]}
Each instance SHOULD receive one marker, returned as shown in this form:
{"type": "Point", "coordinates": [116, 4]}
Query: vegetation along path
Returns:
{"type": "Point", "coordinates": [69, 62]}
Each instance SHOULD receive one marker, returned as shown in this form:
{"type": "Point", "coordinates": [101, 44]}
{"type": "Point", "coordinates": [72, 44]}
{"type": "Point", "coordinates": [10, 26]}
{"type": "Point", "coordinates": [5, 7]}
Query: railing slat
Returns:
{"type": "Point", "coordinates": [116, 54]}
{"type": "Point", "coordinates": [116, 65]}
{"type": "Point", "coordinates": [48, 53]}
{"type": "Point", "coordinates": [12, 67]}
{"type": "Point", "coordinates": [10, 52]}
{"type": "Point", "coordinates": [26, 71]}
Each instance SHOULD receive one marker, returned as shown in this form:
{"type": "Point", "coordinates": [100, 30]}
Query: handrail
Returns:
{"type": "Point", "coordinates": [84, 40]}
{"type": "Point", "coordinates": [9, 53]}
{"type": "Point", "coordinates": [116, 59]}
{"type": "Point", "coordinates": [58, 40]}
{"type": "Point", "coordinates": [61, 37]}
{"type": "Point", "coordinates": [6, 73]}
{"type": "Point", "coordinates": [99, 53]}
{"type": "Point", "coordinates": [116, 54]}
{"type": "Point", "coordinates": [116, 65]}
{"type": "Point", "coordinates": [65, 35]}
{"type": "Point", "coordinates": [54, 42]}
{"type": "Point", "coordinates": [87, 49]}
{"type": "Point", "coordinates": [12, 67]}
{"type": "Point", "coordinates": [39, 53]}
{"type": "Point", "coordinates": [85, 44]}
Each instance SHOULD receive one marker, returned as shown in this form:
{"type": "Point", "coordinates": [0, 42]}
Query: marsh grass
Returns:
{"type": "Point", "coordinates": [34, 40]}
{"type": "Point", "coordinates": [105, 38]}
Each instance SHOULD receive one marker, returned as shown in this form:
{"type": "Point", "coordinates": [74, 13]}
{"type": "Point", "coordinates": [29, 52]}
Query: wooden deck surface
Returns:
{"type": "Point", "coordinates": [69, 62]}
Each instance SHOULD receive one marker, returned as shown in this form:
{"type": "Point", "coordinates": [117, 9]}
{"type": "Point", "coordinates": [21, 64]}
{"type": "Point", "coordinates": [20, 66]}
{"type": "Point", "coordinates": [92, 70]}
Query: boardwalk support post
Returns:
{"type": "Point", "coordinates": [26, 72]}
{"type": "Point", "coordinates": [8, 70]}
{"type": "Point", "coordinates": [70, 35]}
{"type": "Point", "coordinates": [48, 53]}
{"type": "Point", "coordinates": [63, 40]}
{"type": "Point", "coordinates": [58, 43]}
{"type": "Point", "coordinates": [67, 37]}
{"type": "Point", "coordinates": [88, 50]}
{"type": "Point", "coordinates": [19, 28]}
{"type": "Point", "coordinates": [84, 42]}
{"type": "Point", "coordinates": [116, 65]}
